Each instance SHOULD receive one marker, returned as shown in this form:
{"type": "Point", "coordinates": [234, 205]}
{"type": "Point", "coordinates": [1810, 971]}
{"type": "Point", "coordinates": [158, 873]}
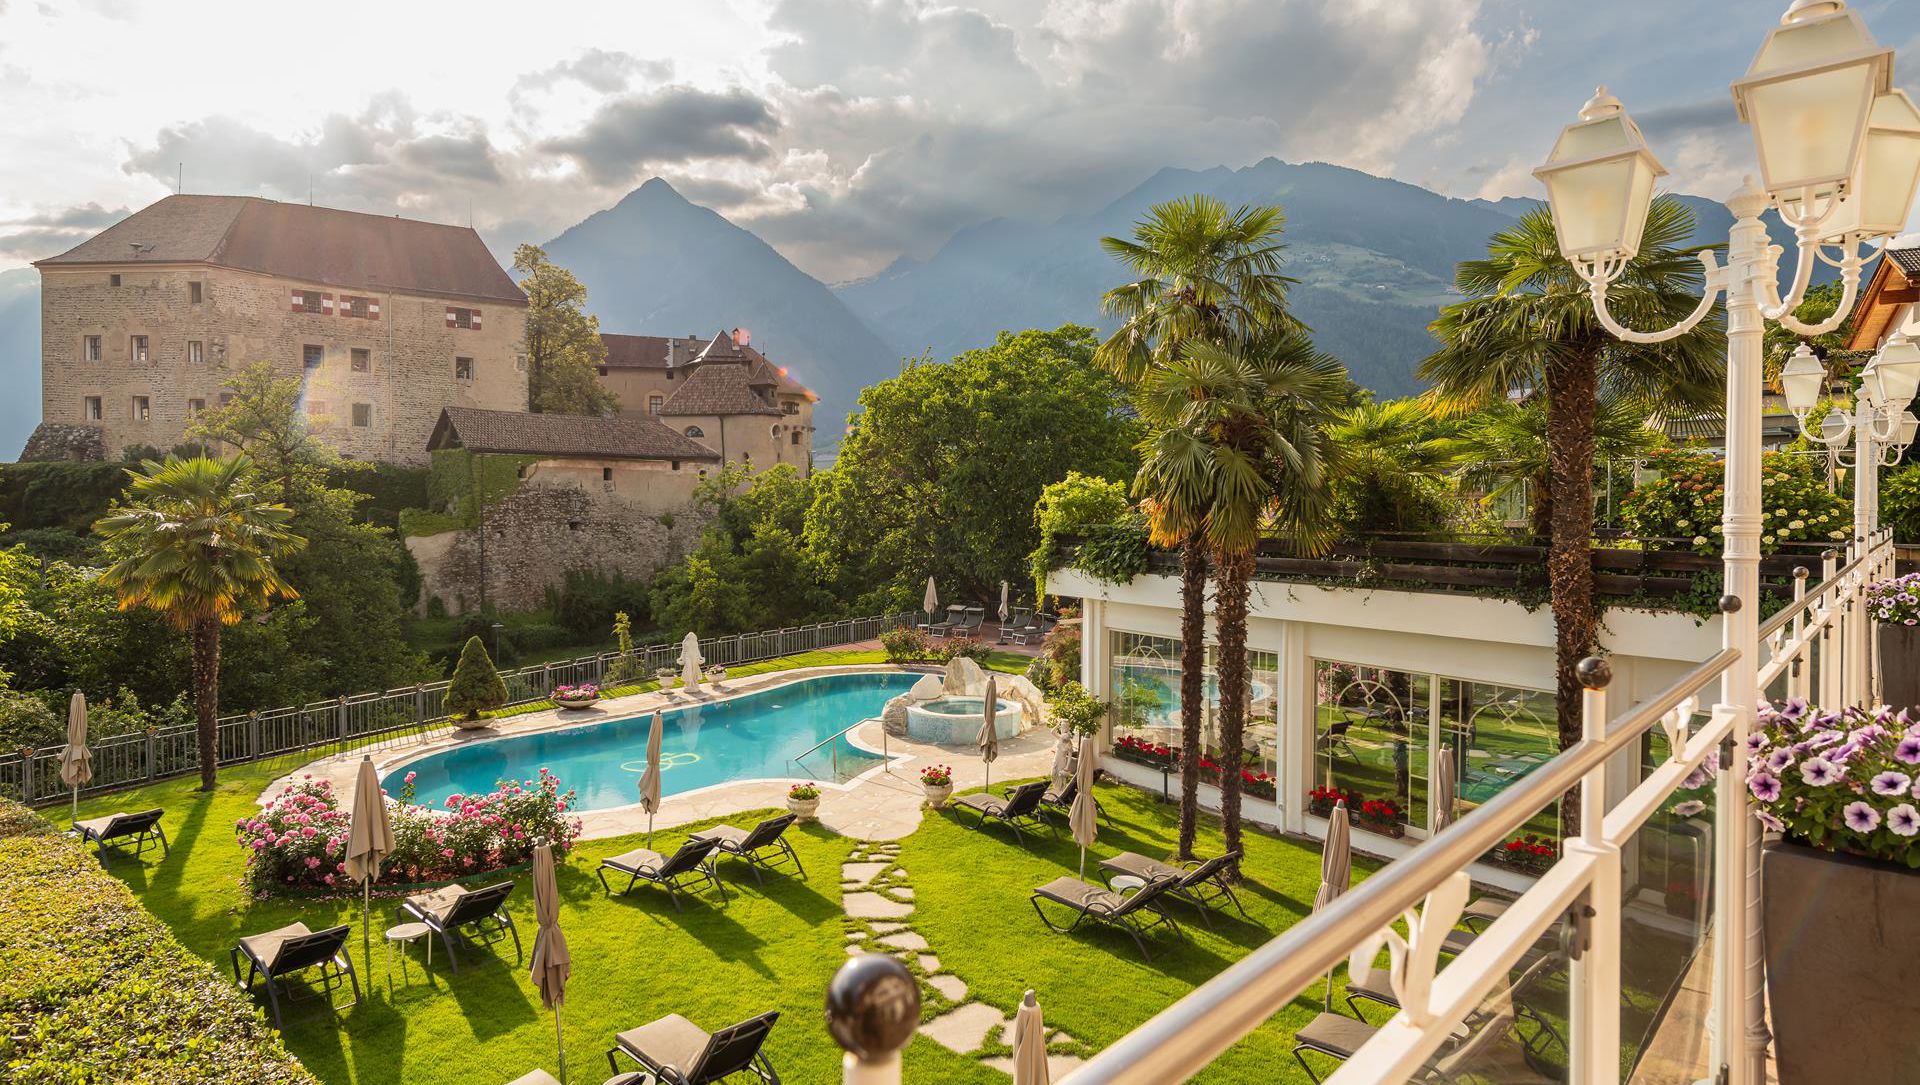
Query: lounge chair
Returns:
{"type": "Point", "coordinates": [678, 1052]}
{"type": "Point", "coordinates": [765, 845]}
{"type": "Point", "coordinates": [1022, 805]}
{"type": "Point", "coordinates": [451, 911]}
{"type": "Point", "coordinates": [692, 865]}
{"type": "Point", "coordinates": [1464, 1058]}
{"type": "Point", "coordinates": [971, 619]}
{"type": "Point", "coordinates": [1016, 621]}
{"type": "Point", "coordinates": [1063, 799]}
{"type": "Point", "coordinates": [1199, 883]}
{"type": "Point", "coordinates": [941, 628]}
{"type": "Point", "coordinates": [295, 948]}
{"type": "Point", "coordinates": [1481, 913]}
{"type": "Point", "coordinates": [143, 829]}
{"type": "Point", "coordinates": [1136, 913]}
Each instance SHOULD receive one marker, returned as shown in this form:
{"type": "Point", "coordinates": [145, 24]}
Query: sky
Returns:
{"type": "Point", "coordinates": [846, 133]}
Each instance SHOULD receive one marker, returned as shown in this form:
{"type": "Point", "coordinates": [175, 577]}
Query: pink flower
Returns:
{"type": "Point", "coordinates": [447, 852]}
{"type": "Point", "coordinates": [410, 776]}
{"type": "Point", "coordinates": [313, 863]}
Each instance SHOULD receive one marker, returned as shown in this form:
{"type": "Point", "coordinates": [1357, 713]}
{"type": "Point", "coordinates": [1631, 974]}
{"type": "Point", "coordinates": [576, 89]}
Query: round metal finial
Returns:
{"type": "Point", "coordinates": [1810, 9]}
{"type": "Point", "coordinates": [1801, 572]}
{"type": "Point", "coordinates": [873, 1006]}
{"type": "Point", "coordinates": [1600, 105]}
{"type": "Point", "coordinates": [1594, 672]}
{"type": "Point", "coordinates": [1729, 604]}
{"type": "Point", "coordinates": [1829, 555]}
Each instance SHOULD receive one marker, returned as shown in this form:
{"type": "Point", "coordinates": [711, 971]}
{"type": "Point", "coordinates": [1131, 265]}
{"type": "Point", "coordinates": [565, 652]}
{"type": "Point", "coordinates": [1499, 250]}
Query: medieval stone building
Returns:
{"type": "Point", "coordinates": [719, 391]}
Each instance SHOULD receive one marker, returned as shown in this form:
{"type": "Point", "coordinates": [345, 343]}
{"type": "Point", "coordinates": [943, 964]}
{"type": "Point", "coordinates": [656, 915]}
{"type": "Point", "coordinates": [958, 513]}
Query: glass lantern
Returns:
{"type": "Point", "coordinates": [1807, 96]}
{"type": "Point", "coordinates": [1599, 180]}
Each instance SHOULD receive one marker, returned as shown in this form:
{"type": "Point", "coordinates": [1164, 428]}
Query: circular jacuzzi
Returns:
{"type": "Point", "coordinates": [953, 721]}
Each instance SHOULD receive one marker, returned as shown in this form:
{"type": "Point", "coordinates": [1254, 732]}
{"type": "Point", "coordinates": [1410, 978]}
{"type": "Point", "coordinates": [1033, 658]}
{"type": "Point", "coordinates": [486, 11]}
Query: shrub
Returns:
{"type": "Point", "coordinates": [624, 668]}
{"type": "Point", "coordinates": [1061, 650]}
{"type": "Point", "coordinates": [1113, 554]}
{"type": "Point", "coordinates": [1075, 503]}
{"type": "Point", "coordinates": [1158, 754]}
{"type": "Point", "coordinates": [964, 648]}
{"type": "Point", "coordinates": [1077, 710]}
{"type": "Point", "coordinates": [299, 841]}
{"type": "Point", "coordinates": [905, 645]}
{"type": "Point", "coordinates": [95, 989]}
{"type": "Point", "coordinates": [1686, 501]}
{"type": "Point", "coordinates": [1040, 673]}
{"type": "Point", "coordinates": [476, 686]}
{"type": "Point", "coordinates": [1841, 781]}
{"type": "Point", "coordinates": [1322, 800]}
{"type": "Point", "coordinates": [587, 599]}
{"type": "Point", "coordinates": [25, 720]}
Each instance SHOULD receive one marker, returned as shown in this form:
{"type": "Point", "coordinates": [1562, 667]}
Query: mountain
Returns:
{"type": "Point", "coordinates": [655, 264]}
{"type": "Point", "coordinates": [19, 358]}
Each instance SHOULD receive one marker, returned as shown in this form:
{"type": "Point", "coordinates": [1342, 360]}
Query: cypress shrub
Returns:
{"type": "Point", "coordinates": [476, 686]}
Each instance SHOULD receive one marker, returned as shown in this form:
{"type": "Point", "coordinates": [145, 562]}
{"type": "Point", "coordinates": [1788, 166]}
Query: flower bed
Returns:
{"type": "Point", "coordinates": [299, 841]}
{"type": "Point", "coordinates": [1140, 751]}
{"type": "Point", "coordinates": [1322, 800]}
{"type": "Point", "coordinates": [1528, 854]}
{"type": "Point", "coordinates": [1841, 781]}
{"type": "Point", "coordinates": [1896, 601]}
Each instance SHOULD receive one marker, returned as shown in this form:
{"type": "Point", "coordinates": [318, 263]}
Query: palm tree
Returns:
{"type": "Point", "coordinates": [1209, 273]}
{"type": "Point", "coordinates": [1392, 473]}
{"type": "Point", "coordinates": [1239, 436]}
{"type": "Point", "coordinates": [1506, 449]}
{"type": "Point", "coordinates": [198, 544]}
{"type": "Point", "coordinates": [1528, 326]}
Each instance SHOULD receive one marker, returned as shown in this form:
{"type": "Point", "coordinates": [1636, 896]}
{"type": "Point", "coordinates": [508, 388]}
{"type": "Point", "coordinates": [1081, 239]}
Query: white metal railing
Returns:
{"type": "Point", "coordinates": [1820, 641]}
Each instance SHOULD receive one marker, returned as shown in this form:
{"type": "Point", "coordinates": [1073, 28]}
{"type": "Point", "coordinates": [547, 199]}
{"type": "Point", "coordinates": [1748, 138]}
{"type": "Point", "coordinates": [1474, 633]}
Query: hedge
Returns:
{"type": "Point", "coordinates": [95, 990]}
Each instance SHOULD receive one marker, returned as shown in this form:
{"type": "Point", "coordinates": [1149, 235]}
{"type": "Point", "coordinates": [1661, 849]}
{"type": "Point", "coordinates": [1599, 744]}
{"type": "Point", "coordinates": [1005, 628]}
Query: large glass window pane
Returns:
{"type": "Point", "coordinates": [1371, 727]}
{"type": "Point", "coordinates": [1260, 743]}
{"type": "Point", "coordinates": [1143, 682]}
{"type": "Point", "coordinates": [1496, 735]}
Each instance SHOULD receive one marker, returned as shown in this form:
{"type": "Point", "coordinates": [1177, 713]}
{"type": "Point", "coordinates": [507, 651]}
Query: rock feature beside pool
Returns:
{"type": "Point", "coordinates": [954, 720]}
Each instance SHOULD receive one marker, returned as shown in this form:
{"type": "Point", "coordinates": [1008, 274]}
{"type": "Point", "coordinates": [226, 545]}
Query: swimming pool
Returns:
{"type": "Point", "coordinates": [749, 737]}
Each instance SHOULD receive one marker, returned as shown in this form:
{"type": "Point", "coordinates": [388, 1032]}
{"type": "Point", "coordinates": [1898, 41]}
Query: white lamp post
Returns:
{"type": "Point", "coordinates": [1839, 153]}
{"type": "Point", "coordinates": [1878, 421]}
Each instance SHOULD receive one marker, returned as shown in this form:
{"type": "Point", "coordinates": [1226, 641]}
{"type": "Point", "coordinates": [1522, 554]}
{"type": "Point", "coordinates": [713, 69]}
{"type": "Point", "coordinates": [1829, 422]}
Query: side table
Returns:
{"type": "Point", "coordinates": [407, 934]}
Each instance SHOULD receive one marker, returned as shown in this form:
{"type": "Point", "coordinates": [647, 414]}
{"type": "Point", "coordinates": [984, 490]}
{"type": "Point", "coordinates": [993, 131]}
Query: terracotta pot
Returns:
{"type": "Point", "coordinates": [938, 794]}
{"type": "Point", "coordinates": [1900, 665]}
{"type": "Point", "coordinates": [1843, 957]}
{"type": "Point", "coordinates": [804, 808]}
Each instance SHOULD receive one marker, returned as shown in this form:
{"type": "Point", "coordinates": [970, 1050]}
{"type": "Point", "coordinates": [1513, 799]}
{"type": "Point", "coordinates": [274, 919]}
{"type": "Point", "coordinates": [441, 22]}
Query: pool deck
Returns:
{"type": "Point", "coordinates": [884, 803]}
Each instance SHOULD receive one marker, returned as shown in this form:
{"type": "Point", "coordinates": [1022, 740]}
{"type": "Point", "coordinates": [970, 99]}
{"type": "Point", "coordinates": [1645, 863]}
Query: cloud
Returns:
{"type": "Point", "coordinates": [673, 125]}
{"type": "Point", "coordinates": [602, 70]}
{"type": "Point", "coordinates": [54, 230]}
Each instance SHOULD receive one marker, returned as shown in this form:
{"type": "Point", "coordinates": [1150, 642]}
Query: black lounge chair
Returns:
{"type": "Point", "coordinates": [1136, 913]}
{"type": "Point", "coordinates": [1063, 799]}
{"type": "Point", "coordinates": [294, 948]}
{"type": "Point", "coordinates": [690, 866]}
{"type": "Point", "coordinates": [765, 845]}
{"type": "Point", "coordinates": [1481, 913]}
{"type": "Point", "coordinates": [1464, 1058]}
{"type": "Point", "coordinates": [1199, 883]}
{"type": "Point", "coordinates": [678, 1052]}
{"type": "Point", "coordinates": [450, 912]}
{"type": "Point", "coordinates": [143, 829]}
{"type": "Point", "coordinates": [1022, 805]}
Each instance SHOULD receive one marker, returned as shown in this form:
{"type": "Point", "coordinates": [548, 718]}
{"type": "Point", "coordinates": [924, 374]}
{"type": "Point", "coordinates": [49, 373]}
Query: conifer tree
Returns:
{"type": "Point", "coordinates": [476, 686]}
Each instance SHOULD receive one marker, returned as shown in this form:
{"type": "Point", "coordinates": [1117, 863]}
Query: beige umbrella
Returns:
{"type": "Point", "coordinates": [930, 602]}
{"type": "Point", "coordinates": [989, 739]}
{"type": "Point", "coordinates": [1004, 611]}
{"type": "Point", "coordinates": [650, 779]}
{"type": "Point", "coordinates": [552, 964]}
{"type": "Point", "coordinates": [690, 661]}
{"type": "Point", "coordinates": [1083, 818]}
{"type": "Point", "coordinates": [1443, 790]}
{"type": "Point", "coordinates": [76, 761]}
{"type": "Point", "coordinates": [1029, 1044]}
{"type": "Point", "coordinates": [369, 840]}
{"type": "Point", "coordinates": [1336, 869]}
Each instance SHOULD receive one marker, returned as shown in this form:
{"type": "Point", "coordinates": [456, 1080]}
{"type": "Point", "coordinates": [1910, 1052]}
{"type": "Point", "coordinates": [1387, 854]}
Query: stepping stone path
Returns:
{"type": "Point", "coordinates": [879, 906]}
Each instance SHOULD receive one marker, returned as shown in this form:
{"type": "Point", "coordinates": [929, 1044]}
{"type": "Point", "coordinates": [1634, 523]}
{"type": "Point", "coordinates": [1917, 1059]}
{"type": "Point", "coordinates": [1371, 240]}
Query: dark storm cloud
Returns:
{"type": "Point", "coordinates": [669, 126]}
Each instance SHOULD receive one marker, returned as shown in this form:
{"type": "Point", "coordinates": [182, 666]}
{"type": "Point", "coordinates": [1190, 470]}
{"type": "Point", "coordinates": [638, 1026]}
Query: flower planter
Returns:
{"type": "Point", "coordinates": [803, 808]}
{"type": "Point", "coordinates": [1843, 954]}
{"type": "Point", "coordinates": [466, 724]}
{"type": "Point", "coordinates": [1900, 665]}
{"type": "Point", "coordinates": [937, 796]}
{"type": "Point", "coordinates": [576, 702]}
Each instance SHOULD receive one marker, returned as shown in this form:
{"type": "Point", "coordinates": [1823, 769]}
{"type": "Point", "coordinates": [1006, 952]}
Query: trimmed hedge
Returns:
{"type": "Point", "coordinates": [94, 989]}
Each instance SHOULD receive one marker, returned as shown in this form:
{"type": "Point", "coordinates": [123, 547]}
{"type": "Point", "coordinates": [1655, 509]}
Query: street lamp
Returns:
{"type": "Point", "coordinates": [1878, 422]}
{"type": "Point", "coordinates": [1839, 156]}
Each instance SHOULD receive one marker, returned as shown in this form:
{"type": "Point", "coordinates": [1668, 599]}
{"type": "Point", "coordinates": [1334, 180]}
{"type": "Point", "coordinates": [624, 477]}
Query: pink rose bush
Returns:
{"type": "Point", "coordinates": [298, 842]}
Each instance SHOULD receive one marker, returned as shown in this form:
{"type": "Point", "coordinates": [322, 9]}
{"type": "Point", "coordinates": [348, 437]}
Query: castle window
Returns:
{"type": "Point", "coordinates": [113, 280]}
{"type": "Point", "coordinates": [463, 318]}
{"type": "Point", "coordinates": [796, 437]}
{"type": "Point", "coordinates": [362, 360]}
{"type": "Point", "coordinates": [196, 293]}
{"type": "Point", "coordinates": [312, 301]}
{"type": "Point", "coordinates": [138, 348]}
{"type": "Point", "coordinates": [520, 364]}
{"type": "Point", "coordinates": [606, 474]}
{"type": "Point", "coordinates": [654, 403]}
{"type": "Point", "coordinates": [789, 407]}
{"type": "Point", "coordinates": [142, 408]}
{"type": "Point", "coordinates": [463, 369]}
{"type": "Point", "coordinates": [89, 348]}
{"type": "Point", "coordinates": [196, 352]}
{"type": "Point", "coordinates": [226, 398]}
{"type": "Point", "coordinates": [695, 432]}
{"type": "Point", "coordinates": [312, 354]}
{"type": "Point", "coordinates": [90, 408]}
{"type": "Point", "coordinates": [676, 464]}
{"type": "Point", "coordinates": [363, 415]}
{"type": "Point", "coordinates": [195, 406]}
{"type": "Point", "coordinates": [359, 307]}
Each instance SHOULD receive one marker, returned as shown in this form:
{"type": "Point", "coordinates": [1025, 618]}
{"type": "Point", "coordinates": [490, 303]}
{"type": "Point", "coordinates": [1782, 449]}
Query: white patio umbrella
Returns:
{"type": "Point", "coordinates": [1443, 790]}
{"type": "Point", "coordinates": [1004, 611]}
{"type": "Point", "coordinates": [552, 964]}
{"type": "Point", "coordinates": [930, 602]}
{"type": "Point", "coordinates": [1029, 1044]}
{"type": "Point", "coordinates": [989, 739]}
{"type": "Point", "coordinates": [76, 761]}
{"type": "Point", "coordinates": [690, 661]}
{"type": "Point", "coordinates": [369, 841]}
{"type": "Point", "coordinates": [650, 779]}
{"type": "Point", "coordinates": [1336, 869]}
{"type": "Point", "coordinates": [1083, 818]}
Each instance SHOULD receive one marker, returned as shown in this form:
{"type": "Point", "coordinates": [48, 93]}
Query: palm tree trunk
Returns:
{"type": "Point", "coordinates": [1233, 585]}
{"type": "Point", "coordinates": [1571, 394]}
{"type": "Point", "coordinates": [1193, 663]}
{"type": "Point", "coordinates": [206, 696]}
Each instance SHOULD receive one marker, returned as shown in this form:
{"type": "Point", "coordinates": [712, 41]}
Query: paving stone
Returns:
{"type": "Point", "coordinates": [1055, 1040]}
{"type": "Point", "coordinates": [929, 963]}
{"type": "Point", "coordinates": [902, 891]}
{"type": "Point", "coordinates": [1058, 1039]}
{"type": "Point", "coordinates": [887, 928]}
{"type": "Point", "coordinates": [951, 987]}
{"type": "Point", "coordinates": [860, 873]}
{"type": "Point", "coordinates": [963, 1029]}
{"type": "Point", "coordinates": [875, 906]}
{"type": "Point", "coordinates": [904, 940]}
{"type": "Point", "coordinates": [900, 872]}
{"type": "Point", "coordinates": [856, 936]}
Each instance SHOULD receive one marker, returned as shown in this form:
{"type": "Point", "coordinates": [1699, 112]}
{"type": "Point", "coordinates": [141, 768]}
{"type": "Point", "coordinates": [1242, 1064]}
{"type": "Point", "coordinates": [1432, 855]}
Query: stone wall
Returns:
{"type": "Point", "coordinates": [243, 318]}
{"type": "Point", "coordinates": [63, 441]}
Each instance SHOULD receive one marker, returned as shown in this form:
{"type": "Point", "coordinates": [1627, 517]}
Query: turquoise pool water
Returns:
{"type": "Point", "coordinates": [749, 737]}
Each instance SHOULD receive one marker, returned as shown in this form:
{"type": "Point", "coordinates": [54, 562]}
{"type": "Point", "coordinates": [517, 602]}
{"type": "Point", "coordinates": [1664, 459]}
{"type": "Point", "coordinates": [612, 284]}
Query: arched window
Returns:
{"type": "Point", "coordinates": [695, 431]}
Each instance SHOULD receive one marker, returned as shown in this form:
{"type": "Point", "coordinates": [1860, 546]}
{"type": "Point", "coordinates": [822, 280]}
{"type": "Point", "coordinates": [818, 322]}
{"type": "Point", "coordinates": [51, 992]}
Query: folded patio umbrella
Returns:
{"type": "Point", "coordinates": [552, 964]}
{"type": "Point", "coordinates": [1443, 790]}
{"type": "Point", "coordinates": [1336, 870]}
{"type": "Point", "coordinates": [650, 779]}
{"type": "Point", "coordinates": [989, 739]}
{"type": "Point", "coordinates": [1083, 819]}
{"type": "Point", "coordinates": [690, 661]}
{"type": "Point", "coordinates": [369, 840]}
{"type": "Point", "coordinates": [930, 602]}
{"type": "Point", "coordinates": [1003, 601]}
{"type": "Point", "coordinates": [76, 761]}
{"type": "Point", "coordinates": [1029, 1044]}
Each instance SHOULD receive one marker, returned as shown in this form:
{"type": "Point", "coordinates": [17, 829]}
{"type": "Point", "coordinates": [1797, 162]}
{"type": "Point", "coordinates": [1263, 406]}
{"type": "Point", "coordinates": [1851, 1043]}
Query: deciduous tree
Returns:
{"type": "Point", "coordinates": [564, 351]}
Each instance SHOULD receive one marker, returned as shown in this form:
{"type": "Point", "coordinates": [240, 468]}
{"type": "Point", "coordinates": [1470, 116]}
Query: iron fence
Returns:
{"type": "Point", "coordinates": [385, 718]}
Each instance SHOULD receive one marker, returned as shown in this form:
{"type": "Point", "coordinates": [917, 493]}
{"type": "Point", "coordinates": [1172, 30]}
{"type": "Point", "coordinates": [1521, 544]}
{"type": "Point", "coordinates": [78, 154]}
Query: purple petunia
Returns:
{"type": "Point", "coordinates": [1764, 785]}
{"type": "Point", "coordinates": [1756, 742]}
{"type": "Point", "coordinates": [1908, 751]}
{"type": "Point", "coordinates": [1767, 819]}
{"type": "Point", "coordinates": [1779, 760]}
{"type": "Point", "coordinates": [1860, 816]}
{"type": "Point", "coordinates": [1890, 783]}
{"type": "Point", "coordinates": [1819, 772]}
{"type": "Point", "coordinates": [1903, 820]}
{"type": "Point", "coordinates": [1795, 708]}
{"type": "Point", "coordinates": [1820, 739]}
{"type": "Point", "coordinates": [1689, 808]}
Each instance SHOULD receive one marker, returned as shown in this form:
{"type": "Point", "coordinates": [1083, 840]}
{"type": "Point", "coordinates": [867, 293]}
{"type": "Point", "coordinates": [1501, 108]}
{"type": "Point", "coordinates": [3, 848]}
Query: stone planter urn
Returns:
{"type": "Point", "coordinates": [1843, 955]}
{"type": "Point", "coordinates": [937, 794]}
{"type": "Point", "coordinates": [466, 724]}
{"type": "Point", "coordinates": [1900, 665]}
{"type": "Point", "coordinates": [666, 679]}
{"type": "Point", "coordinates": [577, 702]}
{"type": "Point", "coordinates": [804, 809]}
